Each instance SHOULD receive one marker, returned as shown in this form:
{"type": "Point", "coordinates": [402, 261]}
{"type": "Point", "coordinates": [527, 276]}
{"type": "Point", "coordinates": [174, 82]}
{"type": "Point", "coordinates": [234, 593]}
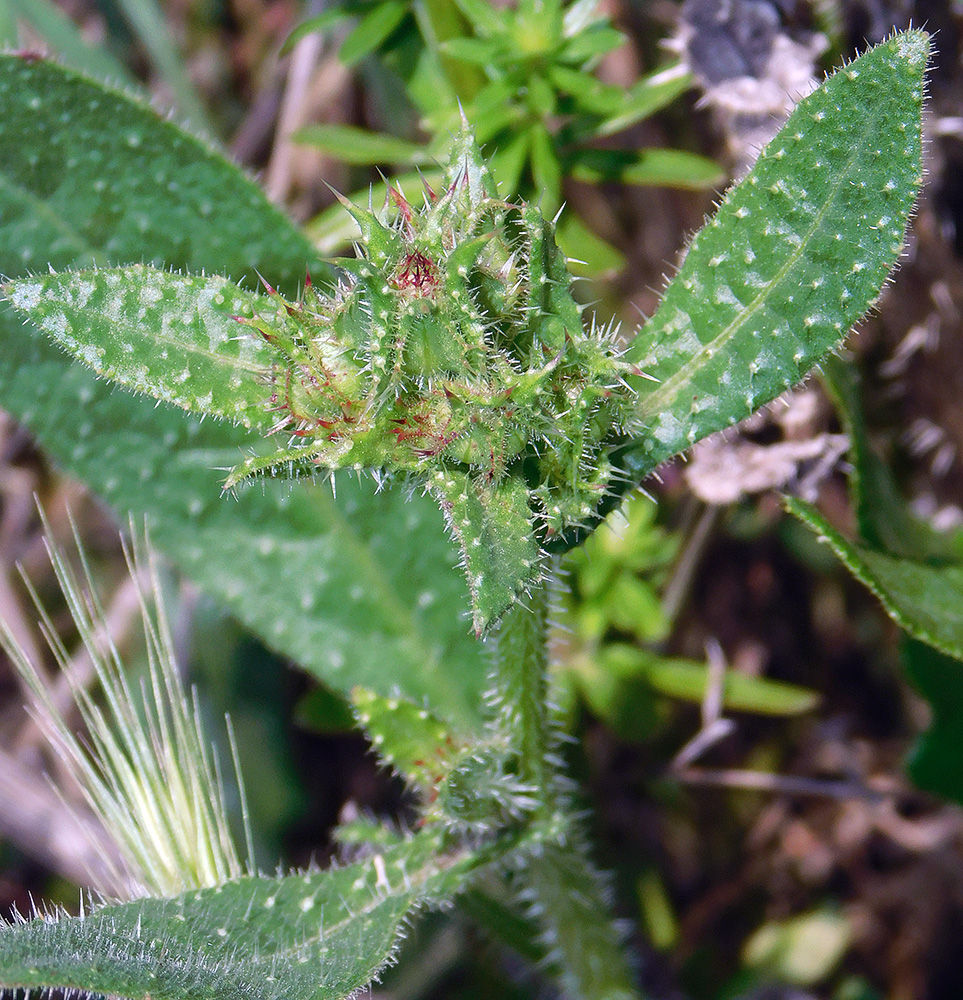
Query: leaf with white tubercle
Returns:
{"type": "Point", "coordinates": [793, 258]}
{"type": "Point", "coordinates": [314, 936]}
{"type": "Point", "coordinates": [175, 337]}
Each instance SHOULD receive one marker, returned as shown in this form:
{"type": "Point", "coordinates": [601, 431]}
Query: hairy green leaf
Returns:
{"type": "Point", "coordinates": [569, 901]}
{"type": "Point", "coordinates": [407, 736]}
{"type": "Point", "coordinates": [795, 255]}
{"type": "Point", "coordinates": [317, 936]}
{"type": "Point", "coordinates": [492, 524]}
{"type": "Point", "coordinates": [176, 337]}
{"type": "Point", "coordinates": [924, 599]}
{"type": "Point", "coordinates": [91, 176]}
{"type": "Point", "coordinates": [324, 581]}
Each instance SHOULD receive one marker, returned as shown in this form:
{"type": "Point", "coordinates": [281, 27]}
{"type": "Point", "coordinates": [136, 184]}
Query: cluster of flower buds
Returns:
{"type": "Point", "coordinates": [452, 342]}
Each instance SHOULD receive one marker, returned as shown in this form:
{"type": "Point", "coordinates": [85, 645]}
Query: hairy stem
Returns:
{"type": "Point", "coordinates": [521, 688]}
{"type": "Point", "coordinates": [565, 893]}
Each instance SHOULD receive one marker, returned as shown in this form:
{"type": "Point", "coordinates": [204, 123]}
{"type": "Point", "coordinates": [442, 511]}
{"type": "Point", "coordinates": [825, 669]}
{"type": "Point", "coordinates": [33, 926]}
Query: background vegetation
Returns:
{"type": "Point", "coordinates": [814, 847]}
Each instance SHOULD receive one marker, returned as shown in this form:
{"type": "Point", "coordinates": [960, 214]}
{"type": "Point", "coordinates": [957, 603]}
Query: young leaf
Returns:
{"type": "Point", "coordinates": [406, 736]}
{"type": "Point", "coordinates": [492, 524]}
{"type": "Point", "coordinates": [176, 337]}
{"type": "Point", "coordinates": [317, 936]}
{"type": "Point", "coordinates": [795, 255]}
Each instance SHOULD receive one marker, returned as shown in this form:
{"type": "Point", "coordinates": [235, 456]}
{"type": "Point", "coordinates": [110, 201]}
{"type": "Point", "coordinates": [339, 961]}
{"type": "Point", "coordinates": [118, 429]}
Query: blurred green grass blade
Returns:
{"type": "Point", "coordinates": [320, 22]}
{"type": "Point", "coordinates": [9, 35]}
{"type": "Point", "coordinates": [372, 30]}
{"type": "Point", "coordinates": [924, 599]}
{"type": "Point", "coordinates": [646, 97]}
{"type": "Point", "coordinates": [66, 43]}
{"type": "Point", "coordinates": [323, 581]}
{"type": "Point", "coordinates": [741, 693]}
{"type": "Point", "coordinates": [316, 936]}
{"type": "Point", "coordinates": [359, 146]}
{"type": "Point", "coordinates": [654, 167]}
{"type": "Point", "coordinates": [793, 258]}
{"type": "Point", "coordinates": [149, 25]}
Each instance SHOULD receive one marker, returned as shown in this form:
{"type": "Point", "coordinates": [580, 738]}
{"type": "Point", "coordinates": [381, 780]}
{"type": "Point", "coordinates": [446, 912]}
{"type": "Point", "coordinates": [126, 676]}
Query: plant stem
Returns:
{"type": "Point", "coordinates": [564, 890]}
{"type": "Point", "coordinates": [521, 687]}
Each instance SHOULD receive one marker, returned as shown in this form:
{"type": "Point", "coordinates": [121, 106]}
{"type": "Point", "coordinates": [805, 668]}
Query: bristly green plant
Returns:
{"type": "Point", "coordinates": [449, 353]}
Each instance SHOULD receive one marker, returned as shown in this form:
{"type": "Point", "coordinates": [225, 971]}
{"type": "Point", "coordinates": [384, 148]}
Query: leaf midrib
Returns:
{"type": "Point", "coordinates": [188, 347]}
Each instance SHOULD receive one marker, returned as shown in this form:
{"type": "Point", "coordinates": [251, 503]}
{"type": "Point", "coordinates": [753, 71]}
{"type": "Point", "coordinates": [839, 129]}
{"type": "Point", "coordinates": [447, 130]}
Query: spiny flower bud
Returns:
{"type": "Point", "coordinates": [451, 342]}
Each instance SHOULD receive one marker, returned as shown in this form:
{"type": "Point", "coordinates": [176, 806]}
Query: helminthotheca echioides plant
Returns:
{"type": "Point", "coordinates": [450, 353]}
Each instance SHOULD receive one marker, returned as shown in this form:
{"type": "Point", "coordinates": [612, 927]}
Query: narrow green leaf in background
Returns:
{"type": "Point", "coordinates": [655, 167]}
{"type": "Point", "coordinates": [935, 762]}
{"type": "Point", "coordinates": [883, 517]}
{"type": "Point", "coordinates": [356, 145]}
{"type": "Point", "coordinates": [372, 30]}
{"type": "Point", "coordinates": [149, 24]}
{"type": "Point", "coordinates": [646, 97]}
{"type": "Point", "coordinates": [924, 599]}
{"type": "Point", "coordinates": [65, 41]}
